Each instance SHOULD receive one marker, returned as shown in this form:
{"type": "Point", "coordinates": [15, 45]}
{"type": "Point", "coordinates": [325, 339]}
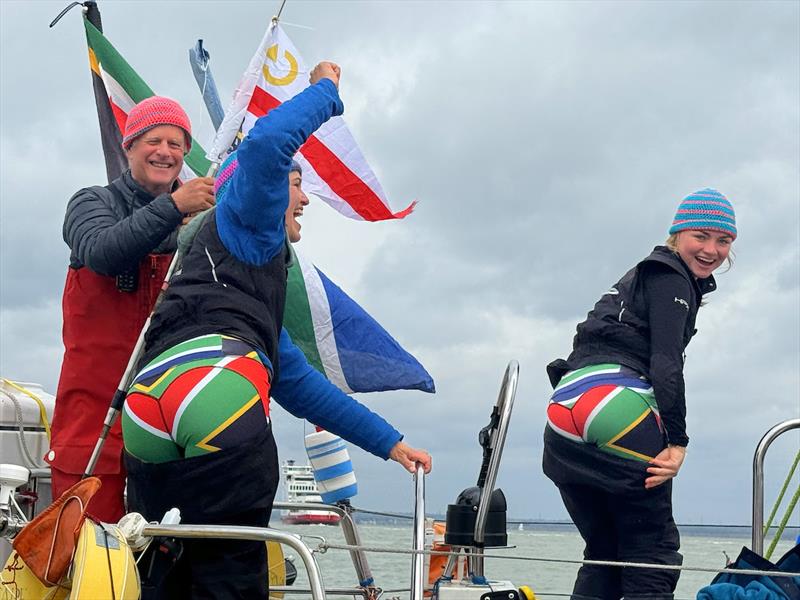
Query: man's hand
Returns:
{"type": "Point", "coordinates": [665, 466]}
{"type": "Point", "coordinates": [188, 218]}
{"type": "Point", "coordinates": [195, 195]}
{"type": "Point", "coordinates": [325, 70]}
{"type": "Point", "coordinates": [409, 457]}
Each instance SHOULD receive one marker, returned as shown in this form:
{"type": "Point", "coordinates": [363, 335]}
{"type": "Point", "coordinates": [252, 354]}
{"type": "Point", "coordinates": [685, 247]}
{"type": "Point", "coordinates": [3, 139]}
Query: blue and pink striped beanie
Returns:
{"type": "Point", "coordinates": [224, 175]}
{"type": "Point", "coordinates": [227, 169]}
{"type": "Point", "coordinates": [705, 209]}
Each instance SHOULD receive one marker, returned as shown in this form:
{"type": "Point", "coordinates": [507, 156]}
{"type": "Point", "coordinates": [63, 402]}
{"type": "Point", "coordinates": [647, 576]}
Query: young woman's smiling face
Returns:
{"type": "Point", "coordinates": [703, 250]}
{"type": "Point", "coordinates": [297, 201]}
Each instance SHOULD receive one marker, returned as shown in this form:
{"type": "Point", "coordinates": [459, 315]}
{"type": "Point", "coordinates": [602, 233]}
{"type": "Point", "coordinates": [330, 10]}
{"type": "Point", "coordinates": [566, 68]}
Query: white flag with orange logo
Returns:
{"type": "Point", "coordinates": [334, 169]}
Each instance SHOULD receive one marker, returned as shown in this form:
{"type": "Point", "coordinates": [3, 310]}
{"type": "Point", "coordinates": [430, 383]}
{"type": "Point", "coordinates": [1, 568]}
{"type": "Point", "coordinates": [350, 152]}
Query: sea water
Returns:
{"type": "Point", "coordinates": [702, 547]}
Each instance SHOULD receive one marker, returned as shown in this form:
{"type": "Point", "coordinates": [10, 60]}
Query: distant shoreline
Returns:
{"type": "Point", "coordinates": [689, 529]}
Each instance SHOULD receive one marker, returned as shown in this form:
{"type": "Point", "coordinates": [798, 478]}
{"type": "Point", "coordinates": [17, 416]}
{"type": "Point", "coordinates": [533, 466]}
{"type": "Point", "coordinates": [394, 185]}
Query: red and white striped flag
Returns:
{"type": "Point", "coordinates": [334, 169]}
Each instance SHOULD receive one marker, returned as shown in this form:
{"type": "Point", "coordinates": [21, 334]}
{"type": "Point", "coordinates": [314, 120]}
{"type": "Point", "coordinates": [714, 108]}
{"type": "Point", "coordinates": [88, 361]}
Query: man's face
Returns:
{"type": "Point", "coordinates": [297, 200]}
{"type": "Point", "coordinates": [156, 158]}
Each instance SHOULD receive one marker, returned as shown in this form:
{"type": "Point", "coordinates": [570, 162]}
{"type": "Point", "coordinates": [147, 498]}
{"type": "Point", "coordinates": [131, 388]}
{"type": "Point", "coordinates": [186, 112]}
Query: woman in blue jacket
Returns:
{"type": "Point", "coordinates": [616, 430]}
{"type": "Point", "coordinates": [196, 421]}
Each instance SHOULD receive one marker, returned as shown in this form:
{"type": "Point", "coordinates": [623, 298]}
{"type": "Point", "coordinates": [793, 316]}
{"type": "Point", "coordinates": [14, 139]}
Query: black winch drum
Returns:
{"type": "Point", "coordinates": [460, 523]}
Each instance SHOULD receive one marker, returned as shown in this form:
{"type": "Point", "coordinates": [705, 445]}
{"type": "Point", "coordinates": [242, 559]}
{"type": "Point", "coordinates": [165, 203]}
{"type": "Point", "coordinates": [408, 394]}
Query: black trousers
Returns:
{"type": "Point", "coordinates": [231, 487]}
{"type": "Point", "coordinates": [217, 570]}
{"type": "Point", "coordinates": [631, 527]}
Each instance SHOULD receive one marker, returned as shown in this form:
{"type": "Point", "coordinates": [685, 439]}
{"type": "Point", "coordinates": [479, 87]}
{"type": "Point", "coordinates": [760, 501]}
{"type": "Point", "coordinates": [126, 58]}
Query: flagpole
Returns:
{"type": "Point", "coordinates": [277, 17]}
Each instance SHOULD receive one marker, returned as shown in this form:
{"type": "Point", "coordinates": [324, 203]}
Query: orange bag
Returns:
{"type": "Point", "coordinates": [47, 543]}
{"type": "Point", "coordinates": [437, 562]}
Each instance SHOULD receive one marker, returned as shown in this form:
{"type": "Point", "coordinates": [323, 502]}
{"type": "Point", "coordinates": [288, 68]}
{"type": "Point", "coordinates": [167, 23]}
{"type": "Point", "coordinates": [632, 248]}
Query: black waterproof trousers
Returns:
{"type": "Point", "coordinates": [618, 519]}
{"type": "Point", "coordinates": [230, 487]}
{"type": "Point", "coordinates": [630, 527]}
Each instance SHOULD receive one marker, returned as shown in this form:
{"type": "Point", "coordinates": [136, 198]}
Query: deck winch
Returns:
{"type": "Point", "coordinates": [460, 529]}
{"type": "Point", "coordinates": [463, 528]}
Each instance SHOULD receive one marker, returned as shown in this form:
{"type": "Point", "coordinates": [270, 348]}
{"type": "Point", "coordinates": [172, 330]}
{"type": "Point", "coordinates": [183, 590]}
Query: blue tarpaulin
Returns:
{"type": "Point", "coordinates": [733, 586]}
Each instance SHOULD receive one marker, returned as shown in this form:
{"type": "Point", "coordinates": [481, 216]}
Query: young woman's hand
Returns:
{"type": "Point", "coordinates": [326, 70]}
{"type": "Point", "coordinates": [409, 457]}
{"type": "Point", "coordinates": [665, 466]}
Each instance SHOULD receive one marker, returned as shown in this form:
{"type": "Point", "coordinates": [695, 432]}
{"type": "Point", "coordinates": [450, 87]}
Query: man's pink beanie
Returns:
{"type": "Point", "coordinates": [152, 112]}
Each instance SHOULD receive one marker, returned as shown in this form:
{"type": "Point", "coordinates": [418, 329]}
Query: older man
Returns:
{"type": "Point", "coordinates": [121, 238]}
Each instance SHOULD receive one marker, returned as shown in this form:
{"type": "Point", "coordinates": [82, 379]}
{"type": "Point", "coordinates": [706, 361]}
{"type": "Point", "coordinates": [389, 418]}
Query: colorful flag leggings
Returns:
{"type": "Point", "coordinates": [611, 407]}
{"type": "Point", "coordinates": [203, 395]}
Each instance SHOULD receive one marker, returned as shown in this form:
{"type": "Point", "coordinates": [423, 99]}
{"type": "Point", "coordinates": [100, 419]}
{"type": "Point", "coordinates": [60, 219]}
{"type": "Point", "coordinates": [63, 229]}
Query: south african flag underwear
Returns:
{"type": "Point", "coordinates": [611, 407]}
{"type": "Point", "coordinates": [202, 395]}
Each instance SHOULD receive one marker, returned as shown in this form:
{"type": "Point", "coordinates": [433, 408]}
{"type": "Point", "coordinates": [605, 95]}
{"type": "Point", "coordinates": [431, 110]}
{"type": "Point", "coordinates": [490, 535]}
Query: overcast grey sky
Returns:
{"type": "Point", "coordinates": [548, 144]}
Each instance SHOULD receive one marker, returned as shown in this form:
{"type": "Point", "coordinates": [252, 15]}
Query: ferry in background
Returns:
{"type": "Point", "coordinates": [302, 487]}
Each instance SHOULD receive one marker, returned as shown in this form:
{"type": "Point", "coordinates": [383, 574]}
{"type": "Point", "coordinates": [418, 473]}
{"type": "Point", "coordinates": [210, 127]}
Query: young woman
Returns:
{"type": "Point", "coordinates": [616, 430]}
{"type": "Point", "coordinates": [196, 422]}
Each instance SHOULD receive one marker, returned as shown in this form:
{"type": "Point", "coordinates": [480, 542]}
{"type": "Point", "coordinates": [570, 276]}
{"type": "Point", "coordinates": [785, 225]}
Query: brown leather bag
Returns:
{"type": "Point", "coordinates": [47, 543]}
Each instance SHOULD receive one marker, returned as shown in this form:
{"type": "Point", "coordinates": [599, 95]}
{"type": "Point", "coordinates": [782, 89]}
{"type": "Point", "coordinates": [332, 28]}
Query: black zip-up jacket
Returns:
{"type": "Point", "coordinates": [109, 229]}
{"type": "Point", "coordinates": [645, 322]}
{"type": "Point", "coordinates": [217, 293]}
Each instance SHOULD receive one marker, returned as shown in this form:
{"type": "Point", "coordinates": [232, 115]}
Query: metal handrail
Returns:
{"type": "Point", "coordinates": [246, 533]}
{"type": "Point", "coordinates": [349, 530]}
{"type": "Point", "coordinates": [505, 401]}
{"type": "Point", "coordinates": [758, 480]}
{"type": "Point", "coordinates": [292, 589]}
{"type": "Point", "coordinates": [40, 473]}
{"type": "Point", "coordinates": [418, 562]}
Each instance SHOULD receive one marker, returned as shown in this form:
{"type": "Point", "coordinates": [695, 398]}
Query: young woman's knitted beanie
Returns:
{"type": "Point", "coordinates": [152, 112]}
{"type": "Point", "coordinates": [705, 209]}
{"type": "Point", "coordinates": [224, 175]}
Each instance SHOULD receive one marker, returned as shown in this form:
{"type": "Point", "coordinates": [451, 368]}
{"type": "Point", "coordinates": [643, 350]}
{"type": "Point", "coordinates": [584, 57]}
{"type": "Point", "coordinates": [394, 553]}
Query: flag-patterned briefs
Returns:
{"type": "Point", "coordinates": [611, 407]}
{"type": "Point", "coordinates": [202, 395]}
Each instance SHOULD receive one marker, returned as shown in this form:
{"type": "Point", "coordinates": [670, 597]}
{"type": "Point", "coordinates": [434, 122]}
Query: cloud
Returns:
{"type": "Point", "coordinates": [548, 144]}
{"type": "Point", "coordinates": [30, 348]}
